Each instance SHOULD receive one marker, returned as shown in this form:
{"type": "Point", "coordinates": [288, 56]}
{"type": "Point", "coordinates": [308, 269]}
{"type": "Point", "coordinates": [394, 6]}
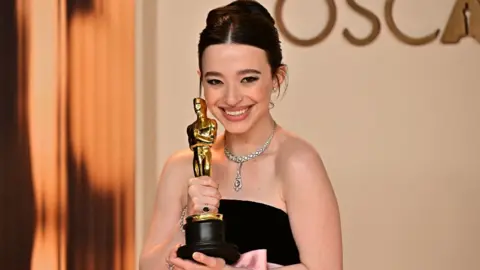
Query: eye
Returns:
{"type": "Point", "coordinates": [214, 82]}
{"type": "Point", "coordinates": [250, 79]}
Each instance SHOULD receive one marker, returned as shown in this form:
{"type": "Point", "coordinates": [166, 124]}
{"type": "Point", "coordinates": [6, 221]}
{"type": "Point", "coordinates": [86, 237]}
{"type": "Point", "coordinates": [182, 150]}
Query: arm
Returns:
{"type": "Point", "coordinates": [213, 126]}
{"type": "Point", "coordinates": [164, 232]}
{"type": "Point", "coordinates": [204, 139]}
{"type": "Point", "coordinates": [313, 212]}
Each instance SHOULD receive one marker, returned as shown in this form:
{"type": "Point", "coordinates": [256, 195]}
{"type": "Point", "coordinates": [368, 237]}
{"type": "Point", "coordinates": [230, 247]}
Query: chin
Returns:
{"type": "Point", "coordinates": [236, 128]}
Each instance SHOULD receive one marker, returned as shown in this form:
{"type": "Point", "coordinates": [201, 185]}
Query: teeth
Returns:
{"type": "Point", "coordinates": [236, 113]}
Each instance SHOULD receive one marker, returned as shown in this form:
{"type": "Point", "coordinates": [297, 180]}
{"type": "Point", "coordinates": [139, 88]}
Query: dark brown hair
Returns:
{"type": "Point", "coordinates": [244, 22]}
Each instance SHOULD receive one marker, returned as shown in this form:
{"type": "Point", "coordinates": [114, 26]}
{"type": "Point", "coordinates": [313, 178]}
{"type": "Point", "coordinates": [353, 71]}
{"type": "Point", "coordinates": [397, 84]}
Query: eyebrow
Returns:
{"type": "Point", "coordinates": [240, 72]}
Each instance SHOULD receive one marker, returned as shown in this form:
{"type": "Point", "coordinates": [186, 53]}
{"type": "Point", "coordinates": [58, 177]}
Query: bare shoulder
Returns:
{"type": "Point", "coordinates": [179, 159]}
{"type": "Point", "coordinates": [300, 164]}
{"type": "Point", "coordinates": [296, 153]}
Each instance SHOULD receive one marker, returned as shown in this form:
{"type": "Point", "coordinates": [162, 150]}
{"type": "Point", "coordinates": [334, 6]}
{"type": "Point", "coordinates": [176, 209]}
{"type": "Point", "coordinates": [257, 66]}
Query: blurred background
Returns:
{"type": "Point", "coordinates": [96, 94]}
{"type": "Point", "coordinates": [67, 137]}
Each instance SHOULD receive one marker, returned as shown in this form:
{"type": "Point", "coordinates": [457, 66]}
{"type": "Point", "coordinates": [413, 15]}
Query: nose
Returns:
{"type": "Point", "coordinates": [233, 97]}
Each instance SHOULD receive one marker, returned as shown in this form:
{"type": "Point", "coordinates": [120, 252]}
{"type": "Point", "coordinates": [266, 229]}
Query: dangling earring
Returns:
{"type": "Point", "coordinates": [271, 105]}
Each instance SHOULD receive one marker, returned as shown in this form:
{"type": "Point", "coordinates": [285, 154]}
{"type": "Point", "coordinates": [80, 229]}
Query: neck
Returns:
{"type": "Point", "coordinates": [250, 141]}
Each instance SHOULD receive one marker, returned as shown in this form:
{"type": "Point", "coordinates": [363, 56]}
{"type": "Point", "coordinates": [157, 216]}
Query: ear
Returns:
{"type": "Point", "coordinates": [199, 73]}
{"type": "Point", "coordinates": [280, 76]}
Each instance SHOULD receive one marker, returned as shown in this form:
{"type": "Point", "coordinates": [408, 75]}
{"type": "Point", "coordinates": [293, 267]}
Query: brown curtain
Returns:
{"type": "Point", "coordinates": [67, 153]}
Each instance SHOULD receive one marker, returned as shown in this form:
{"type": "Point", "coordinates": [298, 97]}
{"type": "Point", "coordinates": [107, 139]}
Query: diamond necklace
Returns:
{"type": "Point", "coordinates": [237, 184]}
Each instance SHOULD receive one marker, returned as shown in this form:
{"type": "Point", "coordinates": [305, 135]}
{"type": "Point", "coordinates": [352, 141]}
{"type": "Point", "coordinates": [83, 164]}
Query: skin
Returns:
{"type": "Point", "coordinates": [290, 175]}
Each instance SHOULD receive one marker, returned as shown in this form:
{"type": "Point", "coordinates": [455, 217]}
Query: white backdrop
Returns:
{"type": "Point", "coordinates": [398, 126]}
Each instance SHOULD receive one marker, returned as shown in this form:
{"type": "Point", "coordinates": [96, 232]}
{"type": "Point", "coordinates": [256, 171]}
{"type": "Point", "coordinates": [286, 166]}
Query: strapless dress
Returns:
{"type": "Point", "coordinates": [253, 226]}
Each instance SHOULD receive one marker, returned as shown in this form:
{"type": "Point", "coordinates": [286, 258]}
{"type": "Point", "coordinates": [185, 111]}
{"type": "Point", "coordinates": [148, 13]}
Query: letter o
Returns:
{"type": "Point", "coordinates": [332, 18]}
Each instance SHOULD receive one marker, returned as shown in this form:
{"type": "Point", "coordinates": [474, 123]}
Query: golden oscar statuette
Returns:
{"type": "Point", "coordinates": [205, 232]}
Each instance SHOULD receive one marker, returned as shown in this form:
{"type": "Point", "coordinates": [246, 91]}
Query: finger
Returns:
{"type": "Point", "coordinates": [193, 181]}
{"type": "Point", "coordinates": [211, 262]}
{"type": "Point", "coordinates": [218, 195]}
{"type": "Point", "coordinates": [205, 181]}
{"type": "Point", "coordinates": [202, 180]}
{"type": "Point", "coordinates": [184, 264]}
{"type": "Point", "coordinates": [198, 190]}
{"type": "Point", "coordinates": [201, 209]}
{"type": "Point", "coordinates": [202, 200]}
{"type": "Point", "coordinates": [207, 199]}
{"type": "Point", "coordinates": [173, 252]}
{"type": "Point", "coordinates": [201, 203]}
{"type": "Point", "coordinates": [210, 183]}
{"type": "Point", "coordinates": [209, 191]}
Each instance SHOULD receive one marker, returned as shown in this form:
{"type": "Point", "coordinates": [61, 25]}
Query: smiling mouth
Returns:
{"type": "Point", "coordinates": [237, 112]}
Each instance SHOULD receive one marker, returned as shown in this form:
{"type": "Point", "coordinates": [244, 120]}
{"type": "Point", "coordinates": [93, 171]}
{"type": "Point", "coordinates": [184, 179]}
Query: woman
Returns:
{"type": "Point", "coordinates": [283, 185]}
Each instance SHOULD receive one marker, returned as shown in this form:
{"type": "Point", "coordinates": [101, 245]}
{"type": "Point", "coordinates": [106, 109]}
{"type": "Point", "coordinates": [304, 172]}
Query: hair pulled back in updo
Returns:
{"type": "Point", "coordinates": [244, 22]}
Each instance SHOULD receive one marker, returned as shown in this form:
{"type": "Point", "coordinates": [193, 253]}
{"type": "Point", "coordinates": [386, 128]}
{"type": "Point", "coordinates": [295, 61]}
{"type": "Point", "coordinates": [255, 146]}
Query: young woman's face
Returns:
{"type": "Point", "coordinates": [238, 83]}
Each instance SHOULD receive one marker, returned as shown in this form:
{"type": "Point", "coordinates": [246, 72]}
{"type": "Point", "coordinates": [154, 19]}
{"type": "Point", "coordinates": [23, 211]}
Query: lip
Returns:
{"type": "Point", "coordinates": [236, 114]}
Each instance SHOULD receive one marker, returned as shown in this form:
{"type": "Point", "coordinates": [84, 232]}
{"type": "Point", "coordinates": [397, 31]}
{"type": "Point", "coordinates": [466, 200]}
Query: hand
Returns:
{"type": "Point", "coordinates": [203, 192]}
{"type": "Point", "coordinates": [203, 262]}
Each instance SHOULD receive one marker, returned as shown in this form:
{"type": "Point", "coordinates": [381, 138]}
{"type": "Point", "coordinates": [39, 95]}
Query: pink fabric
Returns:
{"type": "Point", "coordinates": [255, 260]}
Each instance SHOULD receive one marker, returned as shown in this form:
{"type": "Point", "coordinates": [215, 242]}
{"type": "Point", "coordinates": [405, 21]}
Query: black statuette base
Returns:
{"type": "Point", "coordinates": [207, 237]}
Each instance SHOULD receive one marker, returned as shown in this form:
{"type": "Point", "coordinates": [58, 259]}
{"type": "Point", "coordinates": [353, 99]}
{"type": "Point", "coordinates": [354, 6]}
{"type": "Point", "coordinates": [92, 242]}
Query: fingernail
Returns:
{"type": "Point", "coordinates": [196, 255]}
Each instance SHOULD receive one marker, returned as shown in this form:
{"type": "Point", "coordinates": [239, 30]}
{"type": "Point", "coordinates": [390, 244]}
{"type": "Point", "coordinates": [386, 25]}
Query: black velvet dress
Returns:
{"type": "Point", "coordinates": [251, 226]}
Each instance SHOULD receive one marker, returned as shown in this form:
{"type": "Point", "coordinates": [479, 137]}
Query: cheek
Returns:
{"type": "Point", "coordinates": [261, 94]}
{"type": "Point", "coordinates": [211, 98]}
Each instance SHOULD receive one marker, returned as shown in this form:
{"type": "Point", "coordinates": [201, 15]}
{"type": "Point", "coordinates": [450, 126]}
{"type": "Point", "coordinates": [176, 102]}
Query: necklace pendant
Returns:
{"type": "Point", "coordinates": [237, 185]}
